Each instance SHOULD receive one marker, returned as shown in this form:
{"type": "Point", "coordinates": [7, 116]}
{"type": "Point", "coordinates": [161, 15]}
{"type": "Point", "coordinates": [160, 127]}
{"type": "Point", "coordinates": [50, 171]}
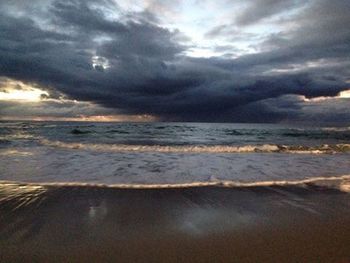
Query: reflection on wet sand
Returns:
{"type": "Point", "coordinates": [277, 223]}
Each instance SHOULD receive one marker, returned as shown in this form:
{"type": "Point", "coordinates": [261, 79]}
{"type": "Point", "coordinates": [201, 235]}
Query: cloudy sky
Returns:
{"type": "Point", "coordinates": [176, 60]}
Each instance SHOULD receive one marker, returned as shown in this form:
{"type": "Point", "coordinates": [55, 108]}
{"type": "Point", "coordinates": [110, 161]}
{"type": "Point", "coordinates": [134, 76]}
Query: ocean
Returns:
{"type": "Point", "coordinates": [169, 153]}
{"type": "Point", "coordinates": [173, 192]}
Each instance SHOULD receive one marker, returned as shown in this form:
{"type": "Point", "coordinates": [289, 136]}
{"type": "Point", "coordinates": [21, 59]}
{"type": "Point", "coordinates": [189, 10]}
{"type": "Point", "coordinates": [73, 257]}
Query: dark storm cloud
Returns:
{"type": "Point", "coordinates": [131, 65]}
{"type": "Point", "coordinates": [294, 108]}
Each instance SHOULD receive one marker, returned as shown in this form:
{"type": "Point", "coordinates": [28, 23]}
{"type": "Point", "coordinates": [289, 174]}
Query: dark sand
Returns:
{"type": "Point", "coordinates": [305, 223]}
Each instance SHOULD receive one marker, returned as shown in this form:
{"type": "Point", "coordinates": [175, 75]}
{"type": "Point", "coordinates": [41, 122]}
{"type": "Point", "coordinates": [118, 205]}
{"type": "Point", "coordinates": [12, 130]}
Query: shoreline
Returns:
{"type": "Point", "coordinates": [341, 183]}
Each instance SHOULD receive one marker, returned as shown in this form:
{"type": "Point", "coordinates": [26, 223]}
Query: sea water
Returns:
{"type": "Point", "coordinates": [170, 153]}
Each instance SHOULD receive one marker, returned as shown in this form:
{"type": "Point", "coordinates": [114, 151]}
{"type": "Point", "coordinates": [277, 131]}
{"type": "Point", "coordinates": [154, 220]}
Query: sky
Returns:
{"type": "Point", "coordinates": [273, 61]}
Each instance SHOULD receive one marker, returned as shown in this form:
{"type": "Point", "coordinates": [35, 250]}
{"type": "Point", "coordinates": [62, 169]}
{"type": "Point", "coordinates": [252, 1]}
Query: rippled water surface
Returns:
{"type": "Point", "coordinates": [156, 153]}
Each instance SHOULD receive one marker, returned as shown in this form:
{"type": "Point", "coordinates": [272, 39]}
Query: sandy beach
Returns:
{"type": "Point", "coordinates": [277, 223]}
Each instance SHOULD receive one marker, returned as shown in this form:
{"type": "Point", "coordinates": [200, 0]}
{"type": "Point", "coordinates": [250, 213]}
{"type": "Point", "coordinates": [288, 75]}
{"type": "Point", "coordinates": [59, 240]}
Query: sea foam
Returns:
{"type": "Point", "coordinates": [265, 148]}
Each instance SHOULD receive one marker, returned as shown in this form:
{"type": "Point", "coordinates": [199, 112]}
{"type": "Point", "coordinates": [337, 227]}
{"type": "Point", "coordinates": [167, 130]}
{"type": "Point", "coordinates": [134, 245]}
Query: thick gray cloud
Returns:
{"type": "Point", "coordinates": [91, 51]}
{"type": "Point", "coordinates": [258, 10]}
{"type": "Point", "coordinates": [295, 109]}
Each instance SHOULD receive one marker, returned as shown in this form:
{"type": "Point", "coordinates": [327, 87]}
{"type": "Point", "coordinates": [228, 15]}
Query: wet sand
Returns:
{"type": "Point", "coordinates": [277, 223]}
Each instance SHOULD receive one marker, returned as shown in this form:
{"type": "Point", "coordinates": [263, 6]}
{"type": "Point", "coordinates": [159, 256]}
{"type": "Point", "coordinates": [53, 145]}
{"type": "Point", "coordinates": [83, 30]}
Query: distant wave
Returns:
{"type": "Point", "coordinates": [79, 132]}
{"type": "Point", "coordinates": [118, 131]}
{"type": "Point", "coordinates": [6, 140]}
{"type": "Point", "coordinates": [341, 183]}
{"type": "Point", "coordinates": [336, 129]}
{"type": "Point", "coordinates": [325, 133]}
{"type": "Point", "coordinates": [266, 148]}
{"type": "Point", "coordinates": [3, 141]}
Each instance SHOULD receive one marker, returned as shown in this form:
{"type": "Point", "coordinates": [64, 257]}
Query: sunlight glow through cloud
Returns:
{"type": "Point", "coordinates": [18, 91]}
{"type": "Point", "coordinates": [101, 62]}
{"type": "Point", "coordinates": [341, 95]}
{"type": "Point", "coordinates": [344, 94]}
{"type": "Point", "coordinates": [23, 95]}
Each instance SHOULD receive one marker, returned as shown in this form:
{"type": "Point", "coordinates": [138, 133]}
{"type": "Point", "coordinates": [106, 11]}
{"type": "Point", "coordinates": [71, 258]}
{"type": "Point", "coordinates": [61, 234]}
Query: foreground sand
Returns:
{"type": "Point", "coordinates": [300, 223]}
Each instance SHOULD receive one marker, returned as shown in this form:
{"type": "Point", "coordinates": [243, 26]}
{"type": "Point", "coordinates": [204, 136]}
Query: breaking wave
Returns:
{"type": "Point", "coordinates": [341, 183]}
{"type": "Point", "coordinates": [265, 148]}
